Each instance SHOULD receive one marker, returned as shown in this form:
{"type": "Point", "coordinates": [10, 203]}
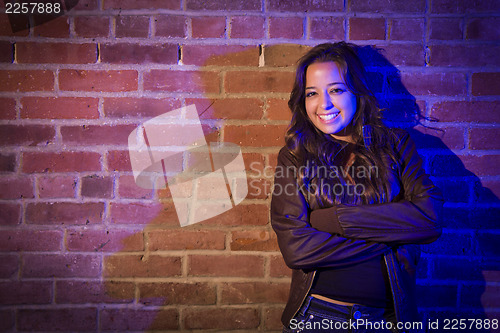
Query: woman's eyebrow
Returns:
{"type": "Point", "coordinates": [329, 84]}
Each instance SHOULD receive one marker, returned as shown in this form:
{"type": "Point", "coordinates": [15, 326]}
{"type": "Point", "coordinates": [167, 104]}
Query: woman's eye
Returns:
{"type": "Point", "coordinates": [309, 94]}
{"type": "Point", "coordinates": [336, 91]}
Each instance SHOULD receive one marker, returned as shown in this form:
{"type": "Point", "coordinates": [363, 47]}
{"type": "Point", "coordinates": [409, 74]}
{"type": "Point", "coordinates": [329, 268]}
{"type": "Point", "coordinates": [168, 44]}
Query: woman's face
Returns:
{"type": "Point", "coordinates": [329, 104]}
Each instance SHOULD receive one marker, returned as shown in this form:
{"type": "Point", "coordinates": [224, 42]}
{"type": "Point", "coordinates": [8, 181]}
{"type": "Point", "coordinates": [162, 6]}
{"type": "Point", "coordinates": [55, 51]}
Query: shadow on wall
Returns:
{"type": "Point", "coordinates": [453, 271]}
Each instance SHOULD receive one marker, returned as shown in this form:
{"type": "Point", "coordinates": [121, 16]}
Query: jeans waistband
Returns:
{"type": "Point", "coordinates": [344, 312]}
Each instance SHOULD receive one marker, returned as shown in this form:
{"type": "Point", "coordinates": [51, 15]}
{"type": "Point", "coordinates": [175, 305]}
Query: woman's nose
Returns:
{"type": "Point", "coordinates": [327, 102]}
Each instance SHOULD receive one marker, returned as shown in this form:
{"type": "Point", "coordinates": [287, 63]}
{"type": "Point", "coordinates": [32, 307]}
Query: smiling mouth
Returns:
{"type": "Point", "coordinates": [329, 116]}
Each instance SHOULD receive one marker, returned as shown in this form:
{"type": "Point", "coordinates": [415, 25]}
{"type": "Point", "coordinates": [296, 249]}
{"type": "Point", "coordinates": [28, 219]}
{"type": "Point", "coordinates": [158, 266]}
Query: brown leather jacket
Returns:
{"type": "Point", "coordinates": [310, 238]}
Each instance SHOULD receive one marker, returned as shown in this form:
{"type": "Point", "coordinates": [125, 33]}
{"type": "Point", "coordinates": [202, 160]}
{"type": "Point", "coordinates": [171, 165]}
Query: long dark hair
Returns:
{"type": "Point", "coordinates": [320, 152]}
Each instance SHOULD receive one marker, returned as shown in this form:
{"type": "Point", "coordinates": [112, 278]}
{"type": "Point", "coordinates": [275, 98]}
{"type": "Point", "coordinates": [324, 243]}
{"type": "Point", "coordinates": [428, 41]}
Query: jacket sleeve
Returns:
{"type": "Point", "coordinates": [302, 246]}
{"type": "Point", "coordinates": [415, 219]}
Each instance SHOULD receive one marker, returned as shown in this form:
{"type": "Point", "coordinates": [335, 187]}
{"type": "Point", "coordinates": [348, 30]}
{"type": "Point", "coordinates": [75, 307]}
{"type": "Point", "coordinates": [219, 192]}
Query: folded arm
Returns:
{"type": "Point", "coordinates": [416, 219]}
{"type": "Point", "coordinates": [302, 246]}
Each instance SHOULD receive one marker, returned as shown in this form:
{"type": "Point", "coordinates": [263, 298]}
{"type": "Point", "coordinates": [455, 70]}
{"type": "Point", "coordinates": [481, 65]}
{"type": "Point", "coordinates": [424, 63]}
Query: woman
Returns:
{"type": "Point", "coordinates": [351, 203]}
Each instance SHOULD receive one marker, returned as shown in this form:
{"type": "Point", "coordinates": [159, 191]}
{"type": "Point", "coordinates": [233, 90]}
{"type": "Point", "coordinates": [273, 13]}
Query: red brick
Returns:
{"type": "Point", "coordinates": [104, 240]}
{"type": "Point", "coordinates": [69, 320]}
{"type": "Point", "coordinates": [80, 292]}
{"type": "Point", "coordinates": [233, 265]}
{"type": "Point", "coordinates": [255, 164]}
{"type": "Point", "coordinates": [132, 26]}
{"type": "Point", "coordinates": [366, 28]}
{"type": "Point", "coordinates": [64, 213]}
{"type": "Point", "coordinates": [258, 81]}
{"type": "Point", "coordinates": [255, 135]}
{"type": "Point", "coordinates": [10, 214]}
{"type": "Point", "coordinates": [170, 26]}
{"type": "Point", "coordinates": [182, 81]}
{"type": "Point", "coordinates": [20, 25]}
{"type": "Point", "coordinates": [407, 29]}
{"type": "Point", "coordinates": [127, 53]}
{"type": "Point", "coordinates": [485, 84]}
{"type": "Point", "coordinates": [166, 293]}
{"type": "Point", "coordinates": [463, 6]}
{"type": "Point", "coordinates": [127, 320]}
{"type": "Point", "coordinates": [405, 54]}
{"type": "Point", "coordinates": [7, 108]}
{"type": "Point", "coordinates": [223, 5]}
{"type": "Point", "coordinates": [142, 4]}
{"type": "Point", "coordinates": [484, 138]}
{"type": "Point", "coordinates": [55, 27]}
{"type": "Point", "coordinates": [141, 266]}
{"type": "Point", "coordinates": [134, 213]}
{"type": "Point", "coordinates": [241, 215]}
{"type": "Point", "coordinates": [59, 53]}
{"type": "Point", "coordinates": [16, 187]}
{"type": "Point", "coordinates": [283, 55]}
{"type": "Point", "coordinates": [56, 186]}
{"type": "Point", "coordinates": [6, 320]}
{"type": "Point", "coordinates": [228, 108]}
{"type": "Point", "coordinates": [31, 240]}
{"type": "Point", "coordinates": [84, 5]}
{"type": "Point", "coordinates": [278, 268]}
{"type": "Point", "coordinates": [96, 134]}
{"type": "Point", "coordinates": [59, 108]}
{"type": "Point", "coordinates": [221, 318]}
{"type": "Point", "coordinates": [488, 191]}
{"type": "Point", "coordinates": [388, 6]}
{"type": "Point", "coordinates": [60, 162]}
{"type": "Point", "coordinates": [446, 28]}
{"type": "Point", "coordinates": [272, 318]}
{"type": "Point", "coordinates": [97, 187]}
{"type": "Point", "coordinates": [9, 265]}
{"type": "Point", "coordinates": [8, 163]}
{"type": "Point", "coordinates": [462, 111]}
{"type": "Point", "coordinates": [247, 27]}
{"type": "Point", "coordinates": [306, 6]}
{"type": "Point", "coordinates": [120, 80]}
{"type": "Point", "coordinates": [61, 266]}
{"type": "Point", "coordinates": [208, 27]}
{"type": "Point", "coordinates": [26, 292]}
{"type": "Point", "coordinates": [487, 300]}
{"type": "Point", "coordinates": [128, 189]}
{"type": "Point", "coordinates": [258, 188]}
{"type": "Point", "coordinates": [91, 26]}
{"type": "Point", "coordinates": [277, 109]}
{"type": "Point", "coordinates": [26, 135]}
{"type": "Point", "coordinates": [220, 55]}
{"type": "Point", "coordinates": [286, 27]}
{"type": "Point", "coordinates": [451, 137]}
{"type": "Point", "coordinates": [464, 56]}
{"type": "Point", "coordinates": [482, 29]}
{"type": "Point", "coordinates": [485, 165]}
{"type": "Point", "coordinates": [160, 240]}
{"type": "Point", "coordinates": [254, 240]}
{"type": "Point", "coordinates": [445, 84]}
{"type": "Point", "coordinates": [273, 160]}
{"type": "Point", "coordinates": [327, 28]}
{"type": "Point", "coordinates": [254, 292]}
{"type": "Point", "coordinates": [126, 107]}
{"type": "Point", "coordinates": [118, 160]}
{"type": "Point", "coordinates": [6, 52]}
{"type": "Point", "coordinates": [26, 80]}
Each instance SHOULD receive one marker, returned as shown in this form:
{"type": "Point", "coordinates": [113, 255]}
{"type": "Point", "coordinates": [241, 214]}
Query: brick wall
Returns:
{"type": "Point", "coordinates": [84, 249]}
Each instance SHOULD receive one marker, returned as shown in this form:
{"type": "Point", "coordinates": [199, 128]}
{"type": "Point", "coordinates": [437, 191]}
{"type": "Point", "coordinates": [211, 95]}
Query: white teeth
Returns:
{"type": "Point", "coordinates": [328, 116]}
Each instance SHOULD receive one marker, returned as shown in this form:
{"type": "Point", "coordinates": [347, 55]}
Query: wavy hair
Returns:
{"type": "Point", "coordinates": [320, 151]}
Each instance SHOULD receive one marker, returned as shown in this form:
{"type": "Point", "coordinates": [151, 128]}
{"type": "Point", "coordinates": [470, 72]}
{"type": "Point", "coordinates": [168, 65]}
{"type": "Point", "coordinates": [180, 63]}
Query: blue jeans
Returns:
{"type": "Point", "coordinates": [317, 316]}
